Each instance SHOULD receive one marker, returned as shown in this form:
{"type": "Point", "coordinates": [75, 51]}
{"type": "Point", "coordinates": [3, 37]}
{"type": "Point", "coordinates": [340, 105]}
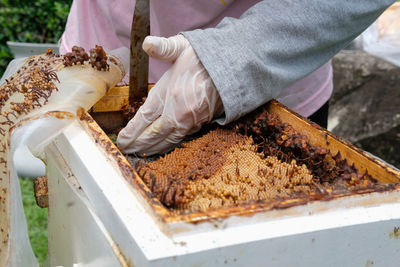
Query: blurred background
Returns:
{"type": "Point", "coordinates": [26, 21]}
{"type": "Point", "coordinates": [364, 108]}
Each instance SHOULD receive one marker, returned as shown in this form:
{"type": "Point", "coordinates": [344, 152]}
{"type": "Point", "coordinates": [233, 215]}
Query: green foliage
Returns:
{"type": "Point", "coordinates": [39, 21]}
{"type": "Point", "coordinates": [36, 218]}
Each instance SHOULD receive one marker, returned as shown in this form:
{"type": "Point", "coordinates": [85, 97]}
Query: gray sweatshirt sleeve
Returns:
{"type": "Point", "coordinates": [274, 44]}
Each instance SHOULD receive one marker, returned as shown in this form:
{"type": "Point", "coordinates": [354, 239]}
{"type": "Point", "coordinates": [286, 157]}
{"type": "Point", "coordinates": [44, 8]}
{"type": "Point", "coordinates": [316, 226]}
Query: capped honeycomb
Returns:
{"type": "Point", "coordinates": [255, 159]}
{"type": "Point", "coordinates": [222, 168]}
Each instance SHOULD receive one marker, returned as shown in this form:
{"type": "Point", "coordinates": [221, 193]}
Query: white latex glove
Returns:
{"type": "Point", "coordinates": [179, 104]}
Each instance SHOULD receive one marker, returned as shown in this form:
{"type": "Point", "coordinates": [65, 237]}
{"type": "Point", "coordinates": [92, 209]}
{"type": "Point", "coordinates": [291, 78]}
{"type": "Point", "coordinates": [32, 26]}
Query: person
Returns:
{"type": "Point", "coordinates": [223, 59]}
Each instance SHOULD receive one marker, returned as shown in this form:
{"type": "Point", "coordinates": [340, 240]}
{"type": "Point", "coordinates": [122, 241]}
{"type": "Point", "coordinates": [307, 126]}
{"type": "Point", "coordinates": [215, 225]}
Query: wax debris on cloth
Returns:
{"type": "Point", "coordinates": [36, 102]}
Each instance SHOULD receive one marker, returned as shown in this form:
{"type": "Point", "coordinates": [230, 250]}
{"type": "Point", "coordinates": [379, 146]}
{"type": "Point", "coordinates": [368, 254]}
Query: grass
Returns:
{"type": "Point", "coordinates": [36, 219]}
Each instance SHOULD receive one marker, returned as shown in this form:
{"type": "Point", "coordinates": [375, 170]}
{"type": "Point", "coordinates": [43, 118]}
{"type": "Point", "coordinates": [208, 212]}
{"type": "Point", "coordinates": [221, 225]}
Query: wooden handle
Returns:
{"type": "Point", "coordinates": [139, 61]}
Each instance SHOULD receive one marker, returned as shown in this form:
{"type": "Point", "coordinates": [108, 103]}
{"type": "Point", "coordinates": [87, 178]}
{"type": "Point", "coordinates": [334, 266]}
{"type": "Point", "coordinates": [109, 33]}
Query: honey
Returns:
{"type": "Point", "coordinates": [253, 160]}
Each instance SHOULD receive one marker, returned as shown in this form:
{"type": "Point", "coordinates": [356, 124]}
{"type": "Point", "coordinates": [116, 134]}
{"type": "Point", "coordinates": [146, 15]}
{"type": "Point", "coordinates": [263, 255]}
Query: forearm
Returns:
{"type": "Point", "coordinates": [276, 43]}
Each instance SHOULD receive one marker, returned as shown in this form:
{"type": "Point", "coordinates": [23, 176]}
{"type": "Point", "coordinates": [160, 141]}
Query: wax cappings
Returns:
{"type": "Point", "coordinates": [257, 159]}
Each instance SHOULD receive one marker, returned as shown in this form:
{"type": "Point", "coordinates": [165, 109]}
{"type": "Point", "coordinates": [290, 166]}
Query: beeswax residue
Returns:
{"type": "Point", "coordinates": [38, 100]}
{"type": "Point", "coordinates": [256, 159]}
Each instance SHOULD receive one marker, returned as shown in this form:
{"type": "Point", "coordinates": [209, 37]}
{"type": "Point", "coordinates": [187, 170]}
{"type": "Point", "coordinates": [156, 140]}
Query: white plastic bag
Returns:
{"type": "Point", "coordinates": [382, 38]}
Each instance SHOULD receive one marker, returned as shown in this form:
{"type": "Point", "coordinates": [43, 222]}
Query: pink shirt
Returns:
{"type": "Point", "coordinates": [108, 23]}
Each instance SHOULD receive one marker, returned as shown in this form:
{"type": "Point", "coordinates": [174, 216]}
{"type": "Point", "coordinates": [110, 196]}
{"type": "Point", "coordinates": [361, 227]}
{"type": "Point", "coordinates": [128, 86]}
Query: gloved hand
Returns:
{"type": "Point", "coordinates": [179, 104]}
